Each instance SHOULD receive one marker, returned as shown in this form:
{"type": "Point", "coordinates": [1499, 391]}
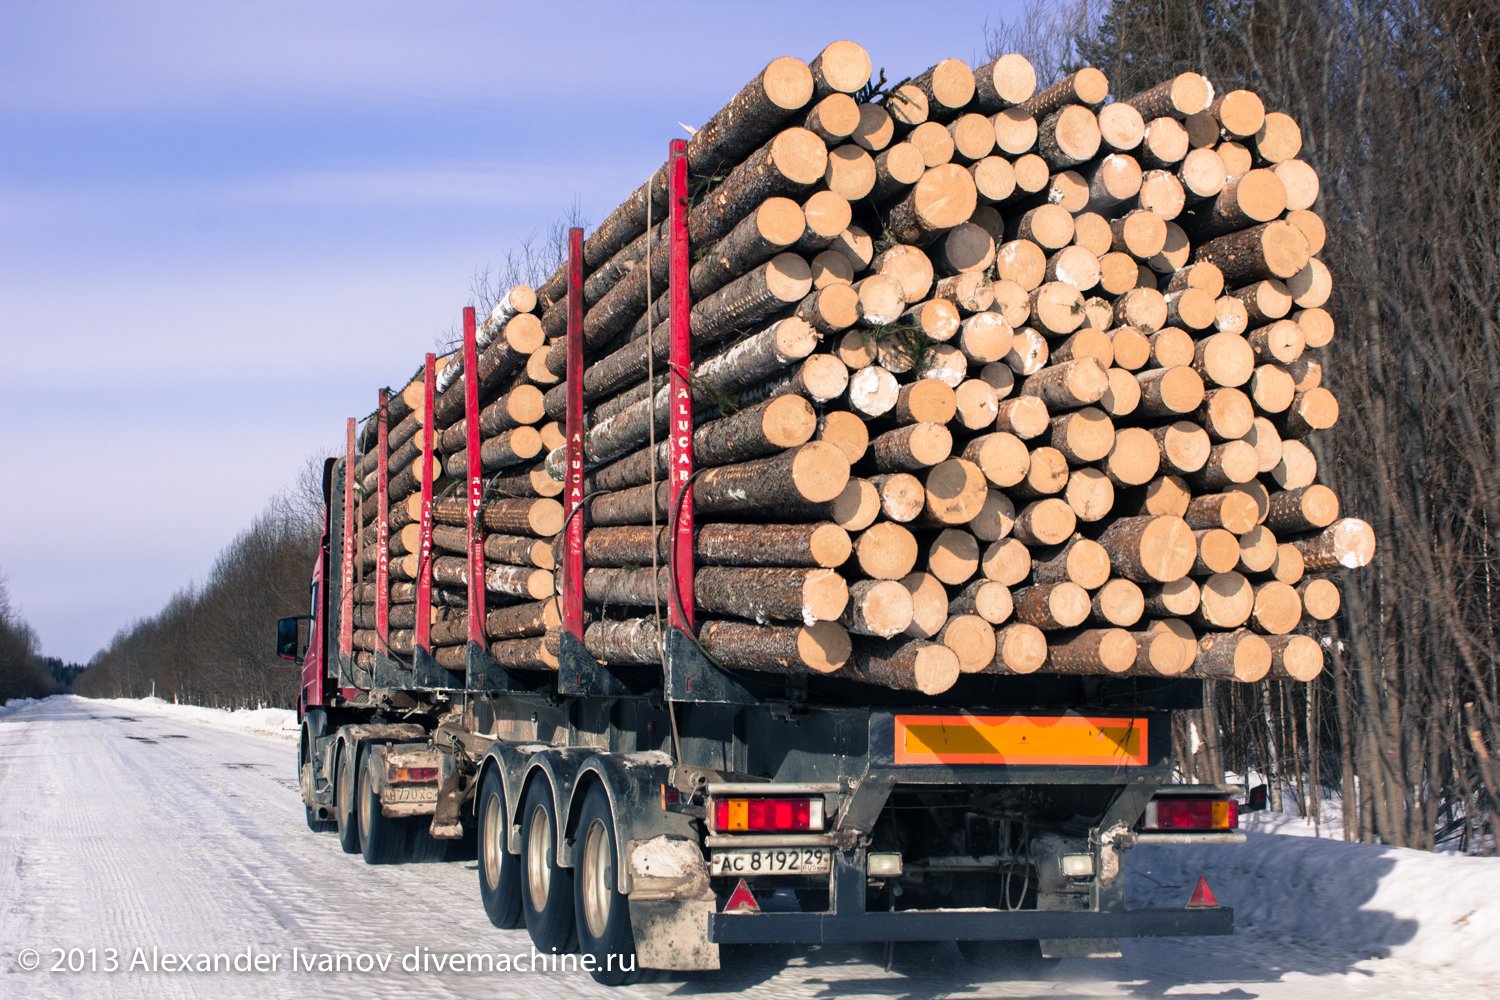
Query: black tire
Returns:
{"type": "Point", "coordinates": [546, 887]}
{"type": "Point", "coordinates": [382, 839]}
{"type": "Point", "coordinates": [600, 911]}
{"type": "Point", "coordinates": [499, 870]}
{"type": "Point", "coordinates": [343, 801]}
{"type": "Point", "coordinates": [314, 725]}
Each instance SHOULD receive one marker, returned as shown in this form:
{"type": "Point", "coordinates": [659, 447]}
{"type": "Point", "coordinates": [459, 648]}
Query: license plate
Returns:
{"type": "Point", "coordinates": [771, 861]}
{"type": "Point", "coordinates": [410, 793]}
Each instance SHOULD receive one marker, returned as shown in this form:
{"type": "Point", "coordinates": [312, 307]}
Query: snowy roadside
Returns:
{"type": "Point", "coordinates": [278, 722]}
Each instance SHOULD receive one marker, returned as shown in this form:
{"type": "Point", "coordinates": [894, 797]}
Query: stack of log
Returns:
{"type": "Point", "coordinates": [989, 379]}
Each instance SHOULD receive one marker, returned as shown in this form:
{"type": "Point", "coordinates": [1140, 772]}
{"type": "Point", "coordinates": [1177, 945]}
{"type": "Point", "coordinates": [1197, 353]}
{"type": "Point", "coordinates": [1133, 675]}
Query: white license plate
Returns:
{"type": "Point", "coordinates": [410, 793]}
{"type": "Point", "coordinates": [771, 861]}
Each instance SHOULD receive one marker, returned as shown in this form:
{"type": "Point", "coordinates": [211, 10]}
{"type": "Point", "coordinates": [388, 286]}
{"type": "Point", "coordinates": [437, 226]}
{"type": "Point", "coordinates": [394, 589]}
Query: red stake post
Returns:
{"type": "Point", "coordinates": [572, 608]}
{"type": "Point", "coordinates": [423, 638]}
{"type": "Point", "coordinates": [680, 447]}
{"type": "Point", "coordinates": [346, 566]}
{"type": "Point", "coordinates": [383, 526]}
{"type": "Point", "coordinates": [476, 482]}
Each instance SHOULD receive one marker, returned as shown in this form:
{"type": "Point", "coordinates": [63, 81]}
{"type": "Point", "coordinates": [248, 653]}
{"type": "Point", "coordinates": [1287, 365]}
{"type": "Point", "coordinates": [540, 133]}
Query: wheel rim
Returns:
{"type": "Point", "coordinates": [598, 876]}
{"type": "Point", "coordinates": [538, 870]}
{"type": "Point", "coordinates": [345, 793]}
{"type": "Point", "coordinates": [364, 804]}
{"type": "Point", "coordinates": [490, 844]}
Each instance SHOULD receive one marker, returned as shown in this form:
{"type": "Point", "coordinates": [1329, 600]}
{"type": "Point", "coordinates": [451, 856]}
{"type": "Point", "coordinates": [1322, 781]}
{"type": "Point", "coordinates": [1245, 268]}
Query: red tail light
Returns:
{"type": "Point", "coordinates": [767, 815]}
{"type": "Point", "coordinates": [416, 775]}
{"type": "Point", "coordinates": [1189, 815]}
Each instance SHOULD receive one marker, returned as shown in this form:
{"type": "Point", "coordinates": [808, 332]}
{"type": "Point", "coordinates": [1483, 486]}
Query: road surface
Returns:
{"type": "Point", "coordinates": [137, 838]}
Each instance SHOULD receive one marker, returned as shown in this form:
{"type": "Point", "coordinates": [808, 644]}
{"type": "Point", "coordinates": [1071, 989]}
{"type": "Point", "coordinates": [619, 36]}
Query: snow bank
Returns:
{"type": "Point", "coordinates": [15, 704]}
{"type": "Point", "coordinates": [1359, 901]}
{"type": "Point", "coordinates": [279, 722]}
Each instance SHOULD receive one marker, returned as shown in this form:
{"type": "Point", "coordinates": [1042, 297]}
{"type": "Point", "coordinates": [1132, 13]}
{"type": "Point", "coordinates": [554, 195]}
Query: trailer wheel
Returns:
{"type": "Point", "coordinates": [546, 887]}
{"type": "Point", "coordinates": [601, 911]}
{"type": "Point", "coordinates": [499, 870]}
{"type": "Point", "coordinates": [381, 838]}
{"type": "Point", "coordinates": [344, 801]}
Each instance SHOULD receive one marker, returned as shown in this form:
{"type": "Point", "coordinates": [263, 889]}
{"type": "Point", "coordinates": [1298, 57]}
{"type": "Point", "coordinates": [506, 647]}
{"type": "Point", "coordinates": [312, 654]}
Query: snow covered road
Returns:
{"type": "Point", "coordinates": [133, 832]}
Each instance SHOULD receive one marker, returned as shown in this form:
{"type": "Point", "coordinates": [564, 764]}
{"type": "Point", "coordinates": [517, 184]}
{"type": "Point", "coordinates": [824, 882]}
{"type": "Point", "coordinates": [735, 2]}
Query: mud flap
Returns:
{"type": "Point", "coordinates": [1080, 948]}
{"type": "Point", "coordinates": [671, 905]}
{"type": "Point", "coordinates": [445, 822]}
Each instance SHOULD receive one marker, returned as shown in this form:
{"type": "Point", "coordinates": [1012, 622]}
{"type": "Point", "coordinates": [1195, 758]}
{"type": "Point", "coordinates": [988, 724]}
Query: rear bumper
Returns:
{"type": "Point", "coordinates": [965, 925]}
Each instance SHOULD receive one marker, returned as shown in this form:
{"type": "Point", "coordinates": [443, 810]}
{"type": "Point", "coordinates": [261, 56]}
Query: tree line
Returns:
{"type": "Point", "coordinates": [1399, 105]}
{"type": "Point", "coordinates": [212, 642]}
{"type": "Point", "coordinates": [24, 673]}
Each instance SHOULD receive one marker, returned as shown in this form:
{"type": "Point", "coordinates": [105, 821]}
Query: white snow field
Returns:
{"type": "Point", "coordinates": [133, 826]}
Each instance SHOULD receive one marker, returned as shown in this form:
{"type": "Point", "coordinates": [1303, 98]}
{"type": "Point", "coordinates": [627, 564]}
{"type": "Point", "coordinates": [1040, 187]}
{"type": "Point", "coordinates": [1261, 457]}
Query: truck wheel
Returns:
{"type": "Point", "coordinates": [381, 838]}
{"type": "Point", "coordinates": [344, 801]}
{"type": "Point", "coordinates": [314, 726]}
{"type": "Point", "coordinates": [601, 911]}
{"type": "Point", "coordinates": [499, 870]}
{"type": "Point", "coordinates": [546, 887]}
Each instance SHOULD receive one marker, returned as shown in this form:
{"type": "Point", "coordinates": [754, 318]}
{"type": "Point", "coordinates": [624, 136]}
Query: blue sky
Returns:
{"type": "Point", "coordinates": [224, 224]}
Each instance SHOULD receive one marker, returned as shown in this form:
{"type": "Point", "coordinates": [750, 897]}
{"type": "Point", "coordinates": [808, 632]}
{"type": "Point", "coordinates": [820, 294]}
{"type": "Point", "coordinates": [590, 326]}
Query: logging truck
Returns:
{"type": "Point", "coordinates": [821, 553]}
{"type": "Point", "coordinates": [643, 818]}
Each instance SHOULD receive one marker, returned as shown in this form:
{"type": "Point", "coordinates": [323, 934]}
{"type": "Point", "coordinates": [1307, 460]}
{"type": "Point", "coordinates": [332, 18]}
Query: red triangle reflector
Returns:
{"type": "Point", "coordinates": [1203, 897]}
{"type": "Point", "coordinates": [742, 900]}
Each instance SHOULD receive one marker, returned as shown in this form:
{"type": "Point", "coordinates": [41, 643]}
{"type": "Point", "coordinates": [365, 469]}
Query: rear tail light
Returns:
{"type": "Point", "coordinates": [1185, 815]}
{"type": "Point", "coordinates": [416, 775]}
{"type": "Point", "coordinates": [767, 815]}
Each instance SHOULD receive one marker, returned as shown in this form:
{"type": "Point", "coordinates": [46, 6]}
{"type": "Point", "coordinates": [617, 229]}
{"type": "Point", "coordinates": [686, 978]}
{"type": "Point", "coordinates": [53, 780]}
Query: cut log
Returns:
{"type": "Point", "coordinates": [901, 496]}
{"type": "Point", "coordinates": [1297, 468]}
{"type": "Point", "coordinates": [944, 197]}
{"type": "Point", "coordinates": [1002, 457]}
{"type": "Point", "coordinates": [822, 648]}
{"type": "Point", "coordinates": [1150, 549]}
{"type": "Point", "coordinates": [1348, 543]}
{"type": "Point", "coordinates": [1052, 606]}
{"type": "Point", "coordinates": [929, 605]}
{"type": "Point", "coordinates": [1307, 509]}
{"type": "Point", "coordinates": [1135, 457]}
{"type": "Point", "coordinates": [1258, 549]}
{"type": "Point", "coordinates": [1272, 250]}
{"type": "Point", "coordinates": [1313, 410]}
{"type": "Point", "coordinates": [1007, 562]}
{"type": "Point", "coordinates": [1093, 651]}
{"type": "Point", "coordinates": [911, 447]}
{"type": "Point", "coordinates": [1004, 82]}
{"type": "Point", "coordinates": [1288, 566]}
{"type": "Point", "coordinates": [978, 404]}
{"type": "Point", "coordinates": [1227, 601]}
{"type": "Point", "coordinates": [1295, 657]}
{"type": "Point", "coordinates": [539, 517]}
{"type": "Point", "coordinates": [1080, 560]}
{"type": "Point", "coordinates": [1048, 521]}
{"type": "Point", "coordinates": [771, 594]}
{"type": "Point", "coordinates": [1083, 436]}
{"type": "Point", "coordinates": [953, 556]}
{"type": "Point", "coordinates": [886, 551]}
{"type": "Point", "coordinates": [1120, 603]}
{"type": "Point", "coordinates": [1183, 95]}
{"type": "Point", "coordinates": [985, 598]}
{"type": "Point", "coordinates": [1229, 463]}
{"type": "Point", "coordinates": [1179, 598]}
{"type": "Point", "coordinates": [1069, 385]}
{"type": "Point", "coordinates": [1232, 511]}
{"type": "Point", "coordinates": [1168, 392]}
{"type": "Point", "coordinates": [1218, 551]}
{"type": "Point", "coordinates": [1320, 598]}
{"type": "Point", "coordinates": [812, 473]}
{"type": "Point", "coordinates": [1090, 494]}
{"type": "Point", "coordinates": [881, 608]}
{"type": "Point", "coordinates": [906, 665]}
{"type": "Point", "coordinates": [955, 492]}
{"type": "Point", "coordinates": [1241, 656]}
